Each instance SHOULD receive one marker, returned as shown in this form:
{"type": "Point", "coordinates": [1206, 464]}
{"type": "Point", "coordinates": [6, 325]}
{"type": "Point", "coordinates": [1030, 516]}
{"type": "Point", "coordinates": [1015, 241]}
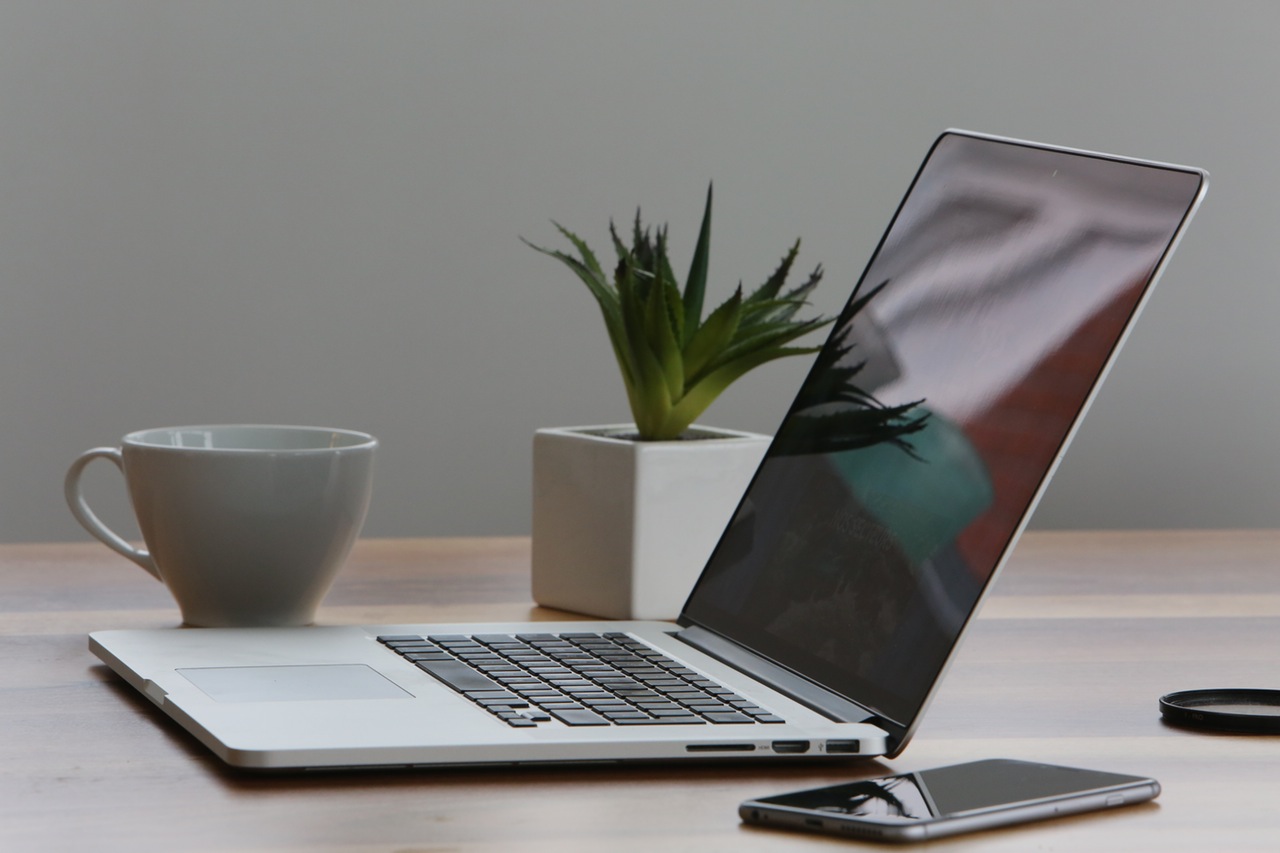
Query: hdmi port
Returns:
{"type": "Point", "coordinates": [790, 746]}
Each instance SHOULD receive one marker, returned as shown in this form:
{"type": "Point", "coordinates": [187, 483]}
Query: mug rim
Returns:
{"type": "Point", "coordinates": [355, 440]}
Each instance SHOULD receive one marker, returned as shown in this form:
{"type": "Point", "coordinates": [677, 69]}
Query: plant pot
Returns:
{"type": "Point", "coordinates": [622, 528]}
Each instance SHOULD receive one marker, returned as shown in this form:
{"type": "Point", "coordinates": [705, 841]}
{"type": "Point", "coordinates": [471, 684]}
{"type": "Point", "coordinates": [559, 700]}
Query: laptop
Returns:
{"type": "Point", "coordinates": [823, 622]}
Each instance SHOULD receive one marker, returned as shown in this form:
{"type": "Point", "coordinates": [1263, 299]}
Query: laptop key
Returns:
{"type": "Point", "coordinates": [522, 723]}
{"type": "Point", "coordinates": [486, 695]}
{"type": "Point", "coordinates": [417, 656]}
{"type": "Point", "coordinates": [459, 676]}
{"type": "Point", "coordinates": [611, 713]}
{"type": "Point", "coordinates": [691, 695]}
{"type": "Point", "coordinates": [539, 695]}
{"type": "Point", "coordinates": [728, 718]}
{"type": "Point", "coordinates": [581, 717]}
{"type": "Point", "coordinates": [490, 639]}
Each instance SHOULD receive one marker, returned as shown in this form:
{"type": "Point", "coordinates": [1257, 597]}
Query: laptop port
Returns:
{"type": "Point", "coordinates": [845, 747]}
{"type": "Point", "coordinates": [791, 747]}
{"type": "Point", "coordinates": [720, 747]}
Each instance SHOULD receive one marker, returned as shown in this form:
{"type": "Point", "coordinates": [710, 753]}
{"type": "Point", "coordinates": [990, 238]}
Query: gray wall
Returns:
{"type": "Point", "coordinates": [310, 211]}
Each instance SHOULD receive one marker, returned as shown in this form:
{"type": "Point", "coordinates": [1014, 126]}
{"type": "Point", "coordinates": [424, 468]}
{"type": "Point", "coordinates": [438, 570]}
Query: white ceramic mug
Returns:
{"type": "Point", "coordinates": [247, 525]}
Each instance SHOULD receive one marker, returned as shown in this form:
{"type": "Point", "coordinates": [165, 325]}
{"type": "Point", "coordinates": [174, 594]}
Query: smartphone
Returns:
{"type": "Point", "coordinates": [948, 800]}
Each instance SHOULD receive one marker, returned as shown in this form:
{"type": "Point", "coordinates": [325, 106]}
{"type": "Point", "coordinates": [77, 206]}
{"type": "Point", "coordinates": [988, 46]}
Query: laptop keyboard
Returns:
{"type": "Point", "coordinates": [580, 679]}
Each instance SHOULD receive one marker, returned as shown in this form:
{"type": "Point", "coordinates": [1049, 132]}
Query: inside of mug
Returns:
{"type": "Point", "coordinates": [249, 437]}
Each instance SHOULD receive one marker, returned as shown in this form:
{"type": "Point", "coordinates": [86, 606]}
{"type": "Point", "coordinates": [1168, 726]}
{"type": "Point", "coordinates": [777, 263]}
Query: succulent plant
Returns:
{"type": "Point", "coordinates": [675, 362]}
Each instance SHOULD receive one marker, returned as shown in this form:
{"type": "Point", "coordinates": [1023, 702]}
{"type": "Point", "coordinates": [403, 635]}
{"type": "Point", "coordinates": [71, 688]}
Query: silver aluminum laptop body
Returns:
{"type": "Point", "coordinates": [892, 493]}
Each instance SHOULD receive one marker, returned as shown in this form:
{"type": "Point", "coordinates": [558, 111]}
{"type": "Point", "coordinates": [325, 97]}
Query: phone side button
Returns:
{"type": "Point", "coordinates": [1115, 800]}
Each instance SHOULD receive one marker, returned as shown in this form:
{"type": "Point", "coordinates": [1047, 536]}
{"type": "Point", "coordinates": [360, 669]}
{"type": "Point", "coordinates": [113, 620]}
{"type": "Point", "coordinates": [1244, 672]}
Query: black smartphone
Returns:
{"type": "Point", "coordinates": [948, 800]}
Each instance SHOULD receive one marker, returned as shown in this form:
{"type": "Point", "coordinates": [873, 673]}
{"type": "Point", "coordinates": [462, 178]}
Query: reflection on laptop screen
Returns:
{"type": "Point", "coordinates": [936, 409]}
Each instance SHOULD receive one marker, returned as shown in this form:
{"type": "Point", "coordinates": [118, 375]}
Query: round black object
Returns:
{"type": "Point", "coordinates": [1244, 711]}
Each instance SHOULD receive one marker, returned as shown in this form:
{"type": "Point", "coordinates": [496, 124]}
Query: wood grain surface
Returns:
{"type": "Point", "coordinates": [1065, 664]}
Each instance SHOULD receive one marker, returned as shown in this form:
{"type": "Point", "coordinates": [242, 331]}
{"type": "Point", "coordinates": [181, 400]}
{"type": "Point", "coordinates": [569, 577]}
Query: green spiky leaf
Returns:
{"type": "Point", "coordinates": [713, 336]}
{"type": "Point", "coordinates": [696, 284]}
{"type": "Point", "coordinates": [673, 363]}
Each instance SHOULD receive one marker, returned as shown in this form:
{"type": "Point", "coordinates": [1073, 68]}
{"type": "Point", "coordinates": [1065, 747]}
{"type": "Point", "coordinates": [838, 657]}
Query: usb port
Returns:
{"type": "Point", "coordinates": [843, 746]}
{"type": "Point", "coordinates": [791, 746]}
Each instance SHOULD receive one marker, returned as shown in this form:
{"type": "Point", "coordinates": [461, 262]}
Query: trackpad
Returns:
{"type": "Point", "coordinates": [293, 683]}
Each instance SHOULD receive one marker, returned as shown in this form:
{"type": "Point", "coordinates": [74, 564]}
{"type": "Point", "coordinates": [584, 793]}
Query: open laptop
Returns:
{"type": "Point", "coordinates": [822, 624]}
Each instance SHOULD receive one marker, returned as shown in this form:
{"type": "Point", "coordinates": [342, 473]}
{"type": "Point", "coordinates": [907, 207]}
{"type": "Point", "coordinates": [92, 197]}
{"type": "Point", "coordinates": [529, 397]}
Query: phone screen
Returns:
{"type": "Point", "coordinates": [1011, 788]}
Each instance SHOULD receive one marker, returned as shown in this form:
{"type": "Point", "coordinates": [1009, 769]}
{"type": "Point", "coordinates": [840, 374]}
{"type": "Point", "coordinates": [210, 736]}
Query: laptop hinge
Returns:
{"type": "Point", "coordinates": [800, 689]}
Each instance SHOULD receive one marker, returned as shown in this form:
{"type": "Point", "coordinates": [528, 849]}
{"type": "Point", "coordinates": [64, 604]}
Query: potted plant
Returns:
{"type": "Point", "coordinates": [626, 515]}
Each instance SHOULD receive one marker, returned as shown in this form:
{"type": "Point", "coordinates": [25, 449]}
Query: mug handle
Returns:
{"type": "Point", "coordinates": [89, 521]}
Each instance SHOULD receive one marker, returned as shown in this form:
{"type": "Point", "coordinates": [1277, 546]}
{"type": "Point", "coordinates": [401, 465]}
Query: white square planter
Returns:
{"type": "Point", "coordinates": [621, 528]}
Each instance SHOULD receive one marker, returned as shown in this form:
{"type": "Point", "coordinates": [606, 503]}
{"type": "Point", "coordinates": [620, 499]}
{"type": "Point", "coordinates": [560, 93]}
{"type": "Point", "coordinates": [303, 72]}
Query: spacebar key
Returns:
{"type": "Point", "coordinates": [459, 676]}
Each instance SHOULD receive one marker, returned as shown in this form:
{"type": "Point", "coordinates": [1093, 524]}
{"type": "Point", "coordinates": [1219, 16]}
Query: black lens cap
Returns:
{"type": "Point", "coordinates": [1232, 710]}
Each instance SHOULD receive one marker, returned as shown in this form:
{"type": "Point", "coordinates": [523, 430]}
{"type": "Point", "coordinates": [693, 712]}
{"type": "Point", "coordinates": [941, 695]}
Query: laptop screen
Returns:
{"type": "Point", "coordinates": [935, 412]}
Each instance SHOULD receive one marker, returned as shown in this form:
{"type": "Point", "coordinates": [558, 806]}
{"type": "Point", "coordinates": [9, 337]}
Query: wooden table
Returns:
{"type": "Point", "coordinates": [1084, 632]}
